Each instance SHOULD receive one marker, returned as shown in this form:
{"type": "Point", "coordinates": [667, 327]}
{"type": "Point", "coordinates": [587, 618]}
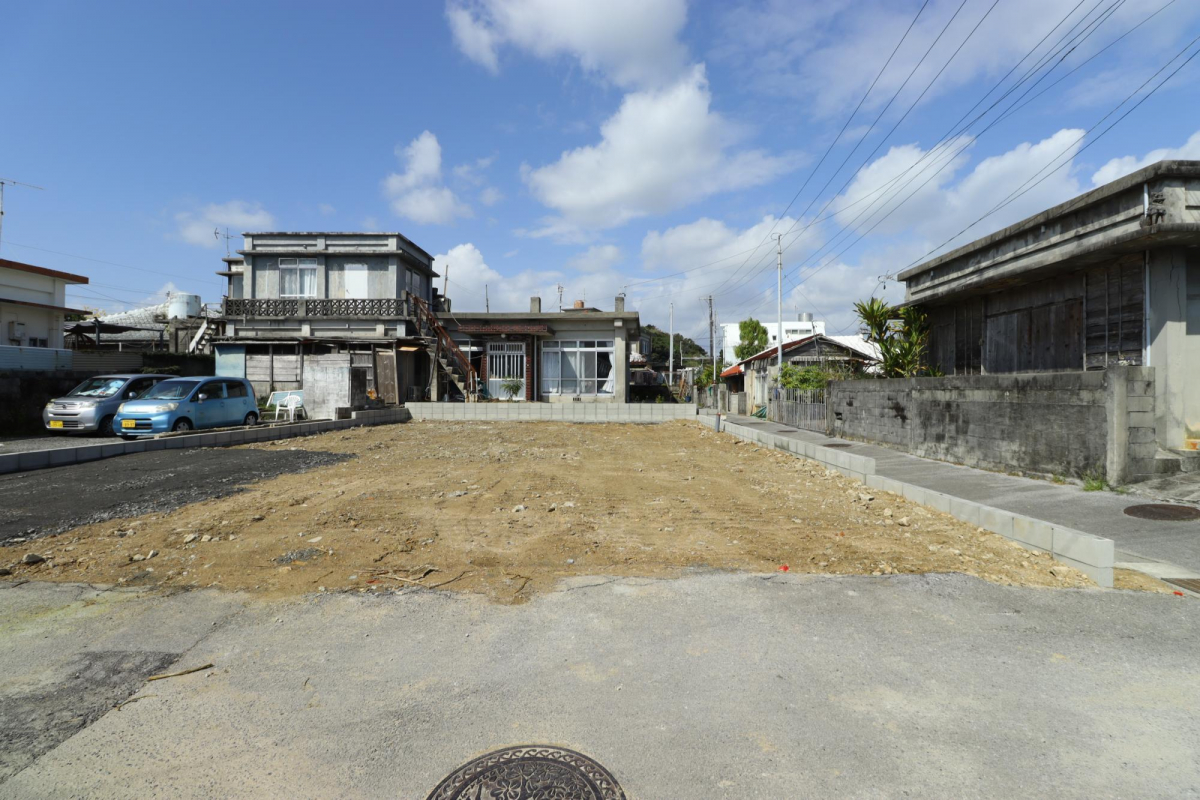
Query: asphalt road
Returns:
{"type": "Point", "coordinates": [42, 502]}
{"type": "Point", "coordinates": [711, 686]}
{"type": "Point", "coordinates": [26, 444]}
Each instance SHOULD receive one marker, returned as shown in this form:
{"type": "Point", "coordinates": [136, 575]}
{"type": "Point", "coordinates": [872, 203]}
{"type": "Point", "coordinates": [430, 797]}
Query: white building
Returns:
{"type": "Point", "coordinates": [793, 329]}
{"type": "Point", "coordinates": [32, 304]}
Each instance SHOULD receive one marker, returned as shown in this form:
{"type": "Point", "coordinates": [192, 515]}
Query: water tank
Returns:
{"type": "Point", "coordinates": [806, 316]}
{"type": "Point", "coordinates": [182, 306]}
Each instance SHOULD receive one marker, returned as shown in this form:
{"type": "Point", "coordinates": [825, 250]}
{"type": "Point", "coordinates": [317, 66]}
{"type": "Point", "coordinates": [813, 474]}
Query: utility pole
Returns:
{"type": "Point", "coordinates": [671, 349]}
{"type": "Point", "coordinates": [779, 335]}
{"type": "Point", "coordinates": [3, 181]}
{"type": "Point", "coordinates": [712, 338]}
{"type": "Point", "coordinates": [487, 306]}
{"type": "Point", "coordinates": [560, 288]}
{"type": "Point", "coordinates": [446, 280]}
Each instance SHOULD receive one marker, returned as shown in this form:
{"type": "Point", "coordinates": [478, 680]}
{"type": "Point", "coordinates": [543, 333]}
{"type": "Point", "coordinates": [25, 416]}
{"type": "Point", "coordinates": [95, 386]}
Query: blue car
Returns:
{"type": "Point", "coordinates": [184, 404]}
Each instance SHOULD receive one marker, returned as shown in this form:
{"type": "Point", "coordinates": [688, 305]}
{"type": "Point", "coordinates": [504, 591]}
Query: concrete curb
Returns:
{"type": "Point", "coordinates": [1090, 554]}
{"type": "Point", "coordinates": [553, 412]}
{"type": "Point", "coordinates": [65, 456]}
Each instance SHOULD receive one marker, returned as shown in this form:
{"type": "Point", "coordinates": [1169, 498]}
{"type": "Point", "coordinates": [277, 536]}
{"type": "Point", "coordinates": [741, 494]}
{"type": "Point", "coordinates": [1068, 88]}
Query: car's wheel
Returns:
{"type": "Point", "coordinates": [182, 425]}
{"type": "Point", "coordinates": [105, 427]}
{"type": "Point", "coordinates": [251, 419]}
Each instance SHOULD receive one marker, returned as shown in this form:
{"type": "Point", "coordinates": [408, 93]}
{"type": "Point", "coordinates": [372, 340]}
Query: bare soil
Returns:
{"type": "Point", "coordinates": [509, 509]}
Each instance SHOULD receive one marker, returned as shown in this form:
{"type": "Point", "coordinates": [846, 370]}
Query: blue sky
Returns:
{"type": "Point", "coordinates": [624, 145]}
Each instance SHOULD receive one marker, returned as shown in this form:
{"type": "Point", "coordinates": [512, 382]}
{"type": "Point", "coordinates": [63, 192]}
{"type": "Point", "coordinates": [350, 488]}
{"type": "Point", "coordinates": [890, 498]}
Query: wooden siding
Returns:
{"type": "Point", "coordinates": [1084, 320]}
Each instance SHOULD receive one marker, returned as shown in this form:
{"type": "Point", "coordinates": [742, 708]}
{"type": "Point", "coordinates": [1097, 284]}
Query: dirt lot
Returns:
{"type": "Point", "coordinates": [507, 509]}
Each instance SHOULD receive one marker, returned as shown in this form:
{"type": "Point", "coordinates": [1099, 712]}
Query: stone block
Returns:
{"type": "Point", "coordinates": [62, 456]}
{"type": "Point", "coordinates": [1082, 547]}
{"type": "Point", "coordinates": [95, 452]}
{"type": "Point", "coordinates": [36, 459]}
{"type": "Point", "coordinates": [965, 510]}
{"type": "Point", "coordinates": [996, 521]}
{"type": "Point", "coordinates": [9, 463]}
{"type": "Point", "coordinates": [938, 501]}
{"type": "Point", "coordinates": [110, 450]}
{"type": "Point", "coordinates": [1033, 532]}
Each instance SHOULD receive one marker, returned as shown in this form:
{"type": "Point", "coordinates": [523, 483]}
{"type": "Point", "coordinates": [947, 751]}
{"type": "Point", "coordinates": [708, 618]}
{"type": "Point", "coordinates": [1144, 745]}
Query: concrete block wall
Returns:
{"type": "Point", "coordinates": [552, 412]}
{"type": "Point", "coordinates": [1061, 423]}
{"type": "Point", "coordinates": [1090, 554]}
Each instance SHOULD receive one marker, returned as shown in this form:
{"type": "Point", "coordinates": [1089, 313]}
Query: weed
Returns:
{"type": "Point", "coordinates": [1093, 481]}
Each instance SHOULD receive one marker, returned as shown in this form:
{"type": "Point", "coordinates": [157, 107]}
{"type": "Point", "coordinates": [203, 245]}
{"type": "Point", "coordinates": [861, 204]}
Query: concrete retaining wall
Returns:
{"type": "Point", "coordinates": [64, 456]}
{"type": "Point", "coordinates": [553, 412]}
{"type": "Point", "coordinates": [1090, 554]}
{"type": "Point", "coordinates": [1061, 423]}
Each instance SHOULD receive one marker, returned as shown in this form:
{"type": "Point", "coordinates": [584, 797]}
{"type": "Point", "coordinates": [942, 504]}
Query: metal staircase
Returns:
{"type": "Point", "coordinates": [451, 362]}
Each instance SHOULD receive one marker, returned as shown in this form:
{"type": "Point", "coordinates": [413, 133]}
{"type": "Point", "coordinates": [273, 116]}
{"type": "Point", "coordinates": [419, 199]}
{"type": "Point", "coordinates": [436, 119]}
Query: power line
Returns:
{"type": "Point", "coordinates": [116, 264]}
{"type": "Point", "coordinates": [837, 138]}
{"type": "Point", "coordinates": [878, 117]}
{"type": "Point", "coordinates": [1087, 32]}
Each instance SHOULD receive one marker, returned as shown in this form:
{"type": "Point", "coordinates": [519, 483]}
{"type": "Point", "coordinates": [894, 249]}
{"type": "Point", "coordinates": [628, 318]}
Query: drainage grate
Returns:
{"type": "Point", "coordinates": [1191, 584]}
{"type": "Point", "coordinates": [1163, 512]}
{"type": "Point", "coordinates": [835, 444]}
{"type": "Point", "coordinates": [527, 773]}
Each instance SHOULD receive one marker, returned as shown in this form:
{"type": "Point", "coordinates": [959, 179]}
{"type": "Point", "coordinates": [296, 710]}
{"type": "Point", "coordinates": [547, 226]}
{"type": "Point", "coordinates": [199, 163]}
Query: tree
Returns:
{"type": "Point", "coordinates": [753, 336]}
{"type": "Point", "coordinates": [902, 335]}
{"type": "Point", "coordinates": [659, 347]}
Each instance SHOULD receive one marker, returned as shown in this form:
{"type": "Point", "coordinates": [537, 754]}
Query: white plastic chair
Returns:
{"type": "Point", "coordinates": [292, 403]}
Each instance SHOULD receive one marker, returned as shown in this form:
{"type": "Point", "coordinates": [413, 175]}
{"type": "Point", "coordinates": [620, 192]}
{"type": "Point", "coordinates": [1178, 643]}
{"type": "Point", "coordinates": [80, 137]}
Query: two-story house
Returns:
{"type": "Point", "coordinates": [302, 304]}
{"type": "Point", "coordinates": [32, 310]}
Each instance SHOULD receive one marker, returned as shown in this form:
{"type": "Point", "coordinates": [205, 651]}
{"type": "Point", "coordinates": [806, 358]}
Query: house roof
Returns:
{"type": "Point", "coordinates": [855, 343]}
{"type": "Point", "coordinates": [733, 372]}
{"type": "Point", "coordinates": [28, 304]}
{"type": "Point", "coordinates": [1186, 169]}
{"type": "Point", "coordinates": [400, 236]}
{"type": "Point", "coordinates": [49, 273]}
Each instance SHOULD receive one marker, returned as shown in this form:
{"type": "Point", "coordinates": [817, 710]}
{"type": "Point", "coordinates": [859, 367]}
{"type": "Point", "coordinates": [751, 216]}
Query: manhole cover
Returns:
{"type": "Point", "coordinates": [1191, 584]}
{"type": "Point", "coordinates": [529, 772]}
{"type": "Point", "coordinates": [1163, 512]}
{"type": "Point", "coordinates": [835, 444]}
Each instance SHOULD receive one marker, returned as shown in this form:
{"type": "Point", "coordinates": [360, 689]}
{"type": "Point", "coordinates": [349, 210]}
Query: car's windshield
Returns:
{"type": "Point", "coordinates": [170, 390]}
{"type": "Point", "coordinates": [98, 387]}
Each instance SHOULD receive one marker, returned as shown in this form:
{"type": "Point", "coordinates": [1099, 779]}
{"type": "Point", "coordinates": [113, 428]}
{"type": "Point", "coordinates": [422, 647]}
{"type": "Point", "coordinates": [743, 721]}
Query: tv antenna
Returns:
{"type": "Point", "coordinates": [226, 236]}
{"type": "Point", "coordinates": [4, 181]}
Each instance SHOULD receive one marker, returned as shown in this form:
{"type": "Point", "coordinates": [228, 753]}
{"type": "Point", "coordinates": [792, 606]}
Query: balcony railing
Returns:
{"type": "Point", "coordinates": [380, 308]}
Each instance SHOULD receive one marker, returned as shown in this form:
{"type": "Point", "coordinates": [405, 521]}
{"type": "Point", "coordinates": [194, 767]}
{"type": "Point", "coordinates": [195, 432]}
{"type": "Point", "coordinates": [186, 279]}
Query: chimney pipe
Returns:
{"type": "Point", "coordinates": [619, 303]}
{"type": "Point", "coordinates": [535, 305]}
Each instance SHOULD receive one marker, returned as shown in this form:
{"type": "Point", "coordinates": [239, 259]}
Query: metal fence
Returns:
{"type": "Point", "coordinates": [800, 408]}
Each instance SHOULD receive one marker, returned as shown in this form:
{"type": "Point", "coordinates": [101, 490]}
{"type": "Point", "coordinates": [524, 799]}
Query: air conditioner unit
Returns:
{"type": "Point", "coordinates": [16, 330]}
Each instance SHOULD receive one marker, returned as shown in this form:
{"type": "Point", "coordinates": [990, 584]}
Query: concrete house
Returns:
{"type": "Point", "coordinates": [33, 306]}
{"type": "Point", "coordinates": [578, 354]}
{"type": "Point", "coordinates": [352, 310]}
{"type": "Point", "coordinates": [1093, 306]}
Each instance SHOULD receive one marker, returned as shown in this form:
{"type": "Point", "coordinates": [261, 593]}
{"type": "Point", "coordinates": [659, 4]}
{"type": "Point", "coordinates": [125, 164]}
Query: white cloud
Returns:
{"type": "Point", "coordinates": [630, 42]}
{"type": "Point", "coordinates": [417, 193]}
{"type": "Point", "coordinates": [469, 273]}
{"type": "Point", "coordinates": [1120, 167]}
{"type": "Point", "coordinates": [471, 172]}
{"type": "Point", "coordinates": [945, 206]}
{"type": "Point", "coordinates": [829, 53]}
{"type": "Point", "coordinates": [196, 227]}
{"type": "Point", "coordinates": [663, 149]}
{"type": "Point", "coordinates": [597, 258]}
{"type": "Point", "coordinates": [326, 210]}
{"type": "Point", "coordinates": [490, 196]}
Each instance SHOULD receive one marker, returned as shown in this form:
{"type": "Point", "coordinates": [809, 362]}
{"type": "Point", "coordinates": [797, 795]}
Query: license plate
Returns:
{"type": "Point", "coordinates": [56, 423]}
{"type": "Point", "coordinates": [128, 423]}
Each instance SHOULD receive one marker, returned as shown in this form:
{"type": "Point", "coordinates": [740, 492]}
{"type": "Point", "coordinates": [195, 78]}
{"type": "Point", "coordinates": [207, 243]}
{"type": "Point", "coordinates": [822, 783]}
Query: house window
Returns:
{"type": "Point", "coordinates": [297, 277]}
{"type": "Point", "coordinates": [578, 367]}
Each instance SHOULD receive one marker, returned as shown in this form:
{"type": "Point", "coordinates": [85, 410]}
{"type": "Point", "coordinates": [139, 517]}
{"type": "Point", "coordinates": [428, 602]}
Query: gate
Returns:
{"type": "Point", "coordinates": [506, 360]}
{"type": "Point", "coordinates": [800, 408]}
